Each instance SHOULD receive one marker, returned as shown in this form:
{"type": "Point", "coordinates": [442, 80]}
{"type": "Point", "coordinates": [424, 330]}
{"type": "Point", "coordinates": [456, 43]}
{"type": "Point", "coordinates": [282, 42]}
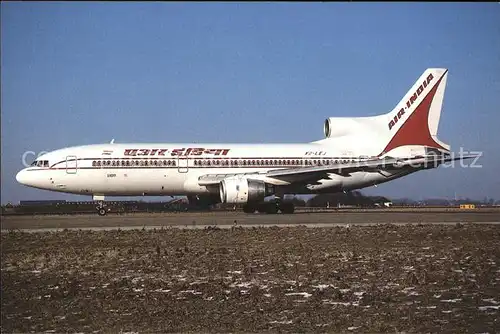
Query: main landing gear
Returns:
{"type": "Point", "coordinates": [203, 202]}
{"type": "Point", "coordinates": [271, 207]}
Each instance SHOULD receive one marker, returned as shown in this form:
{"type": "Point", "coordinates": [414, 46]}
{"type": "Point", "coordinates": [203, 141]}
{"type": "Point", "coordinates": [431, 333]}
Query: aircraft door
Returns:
{"type": "Point", "coordinates": [182, 164]}
{"type": "Point", "coordinates": [71, 164]}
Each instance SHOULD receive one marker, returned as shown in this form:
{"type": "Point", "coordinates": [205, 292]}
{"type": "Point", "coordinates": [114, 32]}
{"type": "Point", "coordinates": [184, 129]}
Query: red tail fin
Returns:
{"type": "Point", "coordinates": [415, 119]}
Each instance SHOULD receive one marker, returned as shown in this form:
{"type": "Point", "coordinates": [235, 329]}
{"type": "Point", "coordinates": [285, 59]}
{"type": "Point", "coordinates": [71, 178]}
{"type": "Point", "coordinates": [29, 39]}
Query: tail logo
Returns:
{"type": "Point", "coordinates": [411, 100]}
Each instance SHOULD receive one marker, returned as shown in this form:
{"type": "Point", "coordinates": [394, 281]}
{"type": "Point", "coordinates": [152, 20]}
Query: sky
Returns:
{"type": "Point", "coordinates": [87, 72]}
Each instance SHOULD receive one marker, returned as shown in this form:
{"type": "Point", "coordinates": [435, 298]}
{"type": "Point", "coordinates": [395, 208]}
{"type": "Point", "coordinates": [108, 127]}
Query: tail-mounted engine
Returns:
{"type": "Point", "coordinates": [241, 190]}
{"type": "Point", "coordinates": [347, 126]}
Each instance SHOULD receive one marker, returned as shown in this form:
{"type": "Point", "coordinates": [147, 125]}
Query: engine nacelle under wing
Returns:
{"type": "Point", "coordinates": [241, 190]}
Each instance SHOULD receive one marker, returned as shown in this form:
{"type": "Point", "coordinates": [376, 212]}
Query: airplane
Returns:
{"type": "Point", "coordinates": [357, 152]}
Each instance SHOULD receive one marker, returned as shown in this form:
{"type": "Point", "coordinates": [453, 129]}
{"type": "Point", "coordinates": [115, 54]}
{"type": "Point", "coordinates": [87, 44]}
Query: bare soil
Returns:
{"type": "Point", "coordinates": [385, 278]}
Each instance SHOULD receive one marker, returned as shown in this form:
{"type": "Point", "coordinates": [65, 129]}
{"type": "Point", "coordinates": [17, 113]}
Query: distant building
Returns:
{"type": "Point", "coordinates": [42, 202]}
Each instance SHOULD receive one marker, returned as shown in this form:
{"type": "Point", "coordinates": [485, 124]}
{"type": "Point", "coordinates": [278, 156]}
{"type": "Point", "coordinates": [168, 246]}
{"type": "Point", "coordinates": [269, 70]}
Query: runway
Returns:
{"type": "Point", "coordinates": [231, 219]}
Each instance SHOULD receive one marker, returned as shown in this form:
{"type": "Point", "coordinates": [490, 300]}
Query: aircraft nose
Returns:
{"type": "Point", "coordinates": [21, 177]}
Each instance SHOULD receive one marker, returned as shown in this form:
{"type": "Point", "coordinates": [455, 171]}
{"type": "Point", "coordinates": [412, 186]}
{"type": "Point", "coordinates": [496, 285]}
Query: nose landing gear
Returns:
{"type": "Point", "coordinates": [101, 209]}
{"type": "Point", "coordinates": [101, 206]}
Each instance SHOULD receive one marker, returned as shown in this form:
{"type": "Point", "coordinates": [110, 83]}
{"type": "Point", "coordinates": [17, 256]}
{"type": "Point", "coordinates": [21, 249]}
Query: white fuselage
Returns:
{"type": "Point", "coordinates": [174, 169]}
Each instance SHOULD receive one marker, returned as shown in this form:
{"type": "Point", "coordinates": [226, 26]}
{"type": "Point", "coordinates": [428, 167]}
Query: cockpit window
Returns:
{"type": "Point", "coordinates": [40, 163]}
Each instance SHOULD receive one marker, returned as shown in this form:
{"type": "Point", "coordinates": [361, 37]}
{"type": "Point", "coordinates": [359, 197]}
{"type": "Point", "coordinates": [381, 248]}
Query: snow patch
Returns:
{"type": "Point", "coordinates": [191, 291]}
{"type": "Point", "coordinates": [329, 302]}
{"type": "Point", "coordinates": [451, 300]}
{"type": "Point", "coordinates": [321, 286]}
{"type": "Point", "coordinates": [490, 300]}
{"type": "Point", "coordinates": [488, 307]}
{"type": "Point", "coordinates": [285, 322]}
{"type": "Point", "coordinates": [303, 294]}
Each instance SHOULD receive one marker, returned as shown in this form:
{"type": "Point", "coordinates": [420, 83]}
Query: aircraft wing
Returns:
{"type": "Point", "coordinates": [345, 169]}
{"type": "Point", "coordinates": [430, 161]}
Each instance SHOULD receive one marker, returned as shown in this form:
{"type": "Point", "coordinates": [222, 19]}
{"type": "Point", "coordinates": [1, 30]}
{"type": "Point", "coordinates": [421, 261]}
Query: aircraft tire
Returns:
{"type": "Point", "coordinates": [248, 208]}
{"type": "Point", "coordinates": [271, 208]}
{"type": "Point", "coordinates": [287, 208]}
{"type": "Point", "coordinates": [101, 212]}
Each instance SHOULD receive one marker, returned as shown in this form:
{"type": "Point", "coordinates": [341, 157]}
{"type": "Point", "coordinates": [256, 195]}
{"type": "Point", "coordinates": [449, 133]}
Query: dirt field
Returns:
{"type": "Point", "coordinates": [418, 278]}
